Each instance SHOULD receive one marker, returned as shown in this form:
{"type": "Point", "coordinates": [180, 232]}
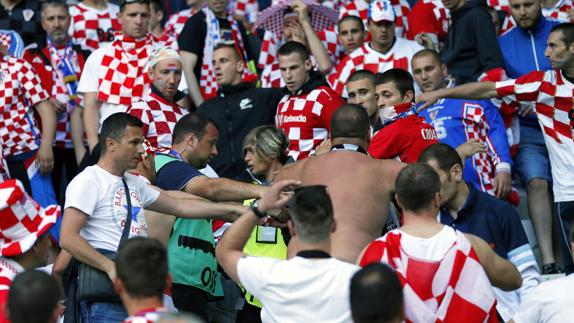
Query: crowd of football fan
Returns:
{"type": "Point", "coordinates": [286, 161]}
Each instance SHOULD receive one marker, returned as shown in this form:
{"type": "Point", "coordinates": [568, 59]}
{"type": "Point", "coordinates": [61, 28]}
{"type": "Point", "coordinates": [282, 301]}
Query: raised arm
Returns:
{"type": "Point", "coordinates": [471, 91]}
{"type": "Point", "coordinates": [500, 272]}
{"type": "Point", "coordinates": [223, 189]}
{"type": "Point", "coordinates": [315, 45]}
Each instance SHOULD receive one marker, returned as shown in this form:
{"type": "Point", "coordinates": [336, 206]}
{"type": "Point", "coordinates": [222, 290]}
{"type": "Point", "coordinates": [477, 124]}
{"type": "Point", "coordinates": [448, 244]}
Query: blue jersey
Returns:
{"type": "Point", "coordinates": [457, 121]}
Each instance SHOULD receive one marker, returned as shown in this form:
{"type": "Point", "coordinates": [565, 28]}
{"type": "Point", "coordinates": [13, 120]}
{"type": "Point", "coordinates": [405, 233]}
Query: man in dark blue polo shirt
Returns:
{"type": "Point", "coordinates": [495, 221]}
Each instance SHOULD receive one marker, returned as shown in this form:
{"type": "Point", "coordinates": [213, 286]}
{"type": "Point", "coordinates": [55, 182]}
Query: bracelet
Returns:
{"type": "Point", "coordinates": [255, 209]}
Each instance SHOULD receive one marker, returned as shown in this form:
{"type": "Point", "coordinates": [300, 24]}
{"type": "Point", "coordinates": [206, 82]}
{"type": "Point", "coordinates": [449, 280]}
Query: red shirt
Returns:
{"type": "Point", "coordinates": [405, 138]}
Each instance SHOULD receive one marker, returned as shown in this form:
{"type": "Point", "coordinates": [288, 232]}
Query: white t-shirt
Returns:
{"type": "Point", "coordinates": [431, 249]}
{"type": "Point", "coordinates": [299, 289]}
{"type": "Point", "coordinates": [549, 302]}
{"type": "Point", "coordinates": [101, 196]}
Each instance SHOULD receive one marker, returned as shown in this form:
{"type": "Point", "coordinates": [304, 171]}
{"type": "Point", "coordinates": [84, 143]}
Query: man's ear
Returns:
{"type": "Point", "coordinates": [291, 228]}
{"type": "Point", "coordinates": [398, 202]}
{"type": "Point", "coordinates": [334, 225]}
{"type": "Point", "coordinates": [110, 144]}
{"type": "Point", "coordinates": [444, 69]}
{"type": "Point", "coordinates": [118, 286]}
{"type": "Point", "coordinates": [409, 96]}
{"type": "Point", "coordinates": [437, 199]}
{"type": "Point", "coordinates": [308, 65]}
{"type": "Point", "coordinates": [240, 66]}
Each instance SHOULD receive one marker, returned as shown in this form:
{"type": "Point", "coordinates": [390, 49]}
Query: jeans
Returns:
{"type": "Point", "coordinates": [102, 312]}
{"type": "Point", "coordinates": [565, 215]}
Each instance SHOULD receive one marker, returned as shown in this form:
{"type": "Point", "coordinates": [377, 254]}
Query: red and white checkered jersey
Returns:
{"type": "Point", "coordinates": [92, 28]}
{"type": "Point", "coordinates": [3, 168]}
{"type": "Point", "coordinates": [499, 5]}
{"type": "Point", "coordinates": [8, 270]}
{"type": "Point", "coordinates": [306, 118]}
{"type": "Point", "coordinates": [365, 57]}
{"type": "Point", "coordinates": [175, 23]}
{"type": "Point", "coordinates": [159, 117]}
{"type": "Point", "coordinates": [20, 89]}
{"type": "Point", "coordinates": [453, 289]}
{"type": "Point", "coordinates": [428, 16]}
{"type": "Point", "coordinates": [551, 96]}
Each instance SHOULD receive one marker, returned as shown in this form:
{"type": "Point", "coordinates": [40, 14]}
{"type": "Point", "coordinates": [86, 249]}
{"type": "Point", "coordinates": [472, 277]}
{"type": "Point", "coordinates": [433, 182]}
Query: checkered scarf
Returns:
{"type": "Point", "coordinates": [459, 288]}
{"type": "Point", "coordinates": [67, 71]}
{"type": "Point", "coordinates": [207, 83]}
{"type": "Point", "coordinates": [124, 78]}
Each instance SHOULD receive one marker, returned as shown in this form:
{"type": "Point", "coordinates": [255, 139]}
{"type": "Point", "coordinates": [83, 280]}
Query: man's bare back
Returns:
{"type": "Point", "coordinates": [360, 189]}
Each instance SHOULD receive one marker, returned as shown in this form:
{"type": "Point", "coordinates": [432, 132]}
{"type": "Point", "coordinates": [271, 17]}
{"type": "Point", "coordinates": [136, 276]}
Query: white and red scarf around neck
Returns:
{"type": "Point", "coordinates": [458, 289]}
{"type": "Point", "coordinates": [207, 83]}
{"type": "Point", "coordinates": [124, 78]}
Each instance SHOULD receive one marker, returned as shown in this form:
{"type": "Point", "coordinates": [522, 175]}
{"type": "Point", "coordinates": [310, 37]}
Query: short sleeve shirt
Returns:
{"type": "Point", "coordinates": [101, 195]}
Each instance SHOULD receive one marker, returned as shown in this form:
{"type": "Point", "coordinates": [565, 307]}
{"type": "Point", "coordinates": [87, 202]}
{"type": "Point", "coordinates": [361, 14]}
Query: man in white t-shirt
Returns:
{"type": "Point", "coordinates": [445, 274]}
{"type": "Point", "coordinates": [549, 302]}
{"type": "Point", "coordinates": [96, 206]}
{"type": "Point", "coordinates": [312, 286]}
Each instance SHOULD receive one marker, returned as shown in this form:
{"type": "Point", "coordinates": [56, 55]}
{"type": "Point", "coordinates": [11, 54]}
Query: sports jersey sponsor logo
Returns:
{"type": "Point", "coordinates": [429, 134]}
{"type": "Point", "coordinates": [299, 118]}
{"type": "Point", "coordinates": [245, 104]}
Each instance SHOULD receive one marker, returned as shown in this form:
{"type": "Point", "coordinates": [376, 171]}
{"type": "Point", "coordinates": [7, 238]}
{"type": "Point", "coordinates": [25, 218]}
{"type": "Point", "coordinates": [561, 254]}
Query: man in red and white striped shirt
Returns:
{"type": "Point", "coordinates": [550, 95]}
{"type": "Point", "coordinates": [383, 52]}
{"type": "Point", "coordinates": [94, 23]}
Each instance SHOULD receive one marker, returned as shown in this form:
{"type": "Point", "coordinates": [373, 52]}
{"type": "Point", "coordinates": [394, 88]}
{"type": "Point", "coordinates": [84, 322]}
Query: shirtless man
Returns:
{"type": "Point", "coordinates": [360, 186]}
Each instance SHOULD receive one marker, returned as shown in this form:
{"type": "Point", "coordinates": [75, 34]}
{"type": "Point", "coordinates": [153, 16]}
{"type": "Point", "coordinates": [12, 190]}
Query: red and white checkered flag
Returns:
{"type": "Point", "coordinates": [271, 19]}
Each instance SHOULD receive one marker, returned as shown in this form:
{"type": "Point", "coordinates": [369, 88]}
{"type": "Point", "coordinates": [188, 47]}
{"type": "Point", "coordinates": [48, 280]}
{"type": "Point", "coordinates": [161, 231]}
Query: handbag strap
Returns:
{"type": "Point", "coordinates": [128, 223]}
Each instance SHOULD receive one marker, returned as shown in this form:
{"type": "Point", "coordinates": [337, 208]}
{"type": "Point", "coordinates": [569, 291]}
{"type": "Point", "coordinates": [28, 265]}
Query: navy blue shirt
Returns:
{"type": "Point", "coordinates": [493, 220]}
{"type": "Point", "coordinates": [175, 175]}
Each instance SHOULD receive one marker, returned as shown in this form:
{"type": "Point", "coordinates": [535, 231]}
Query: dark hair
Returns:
{"type": "Point", "coordinates": [229, 46]}
{"type": "Point", "coordinates": [427, 52]}
{"type": "Point", "coordinates": [141, 265]}
{"type": "Point", "coordinates": [416, 186]}
{"type": "Point", "coordinates": [124, 3]}
{"type": "Point", "coordinates": [54, 3]}
{"type": "Point", "coordinates": [115, 127]}
{"type": "Point", "coordinates": [291, 47]}
{"type": "Point", "coordinates": [312, 213]}
{"type": "Point", "coordinates": [354, 18]}
{"type": "Point", "coordinates": [350, 121]}
{"type": "Point", "coordinates": [33, 297]}
{"type": "Point", "coordinates": [194, 123]}
{"type": "Point", "coordinates": [362, 75]}
{"type": "Point", "coordinates": [444, 155]}
{"type": "Point", "coordinates": [376, 294]}
{"type": "Point", "coordinates": [157, 5]}
{"type": "Point", "coordinates": [402, 79]}
{"type": "Point", "coordinates": [567, 30]}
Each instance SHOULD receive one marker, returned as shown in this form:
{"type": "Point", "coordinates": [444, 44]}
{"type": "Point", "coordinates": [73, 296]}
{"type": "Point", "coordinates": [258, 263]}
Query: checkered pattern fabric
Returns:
{"type": "Point", "coordinates": [22, 220]}
{"type": "Point", "coordinates": [499, 5]}
{"type": "Point", "coordinates": [19, 90]}
{"type": "Point", "coordinates": [123, 76]}
{"type": "Point", "coordinates": [402, 9]}
{"type": "Point", "coordinates": [166, 40]}
{"type": "Point", "coordinates": [476, 127]}
{"type": "Point", "coordinates": [12, 42]}
{"type": "Point", "coordinates": [92, 28]}
{"type": "Point", "coordinates": [552, 97]}
{"type": "Point", "coordinates": [159, 117]}
{"type": "Point", "coordinates": [271, 19]}
{"type": "Point", "coordinates": [305, 118]}
{"type": "Point", "coordinates": [428, 16]}
{"type": "Point", "coordinates": [175, 23]}
{"type": "Point", "coordinates": [246, 8]}
{"type": "Point", "coordinates": [8, 271]}
{"type": "Point", "coordinates": [358, 8]}
{"type": "Point", "coordinates": [364, 57]}
{"type": "Point", "coordinates": [451, 290]}
{"type": "Point", "coordinates": [559, 11]}
{"type": "Point", "coordinates": [3, 168]}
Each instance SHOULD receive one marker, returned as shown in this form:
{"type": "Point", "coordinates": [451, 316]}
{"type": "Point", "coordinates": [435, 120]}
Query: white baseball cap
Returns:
{"type": "Point", "coordinates": [380, 10]}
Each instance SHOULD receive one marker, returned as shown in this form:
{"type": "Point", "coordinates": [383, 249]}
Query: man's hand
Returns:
{"type": "Point", "coordinates": [297, 33]}
{"type": "Point", "coordinates": [302, 11]}
{"type": "Point", "coordinates": [45, 158]}
{"type": "Point", "coordinates": [425, 40]}
{"type": "Point", "coordinates": [111, 272]}
{"type": "Point", "coordinates": [59, 107]}
{"type": "Point", "coordinates": [525, 110]}
{"type": "Point", "coordinates": [469, 148]}
{"type": "Point", "coordinates": [429, 98]}
{"type": "Point", "coordinates": [278, 195]}
{"type": "Point", "coordinates": [502, 184]}
{"type": "Point", "coordinates": [324, 147]}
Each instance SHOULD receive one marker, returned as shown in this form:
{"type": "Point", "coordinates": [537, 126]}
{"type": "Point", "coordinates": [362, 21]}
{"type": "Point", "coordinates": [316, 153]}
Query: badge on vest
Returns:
{"type": "Point", "coordinates": [266, 235]}
{"type": "Point", "coordinates": [28, 14]}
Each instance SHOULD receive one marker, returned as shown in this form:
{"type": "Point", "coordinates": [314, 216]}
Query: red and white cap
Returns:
{"type": "Point", "coordinates": [380, 10]}
{"type": "Point", "coordinates": [22, 220]}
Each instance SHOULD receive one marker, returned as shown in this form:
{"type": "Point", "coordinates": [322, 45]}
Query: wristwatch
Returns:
{"type": "Point", "coordinates": [255, 208]}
